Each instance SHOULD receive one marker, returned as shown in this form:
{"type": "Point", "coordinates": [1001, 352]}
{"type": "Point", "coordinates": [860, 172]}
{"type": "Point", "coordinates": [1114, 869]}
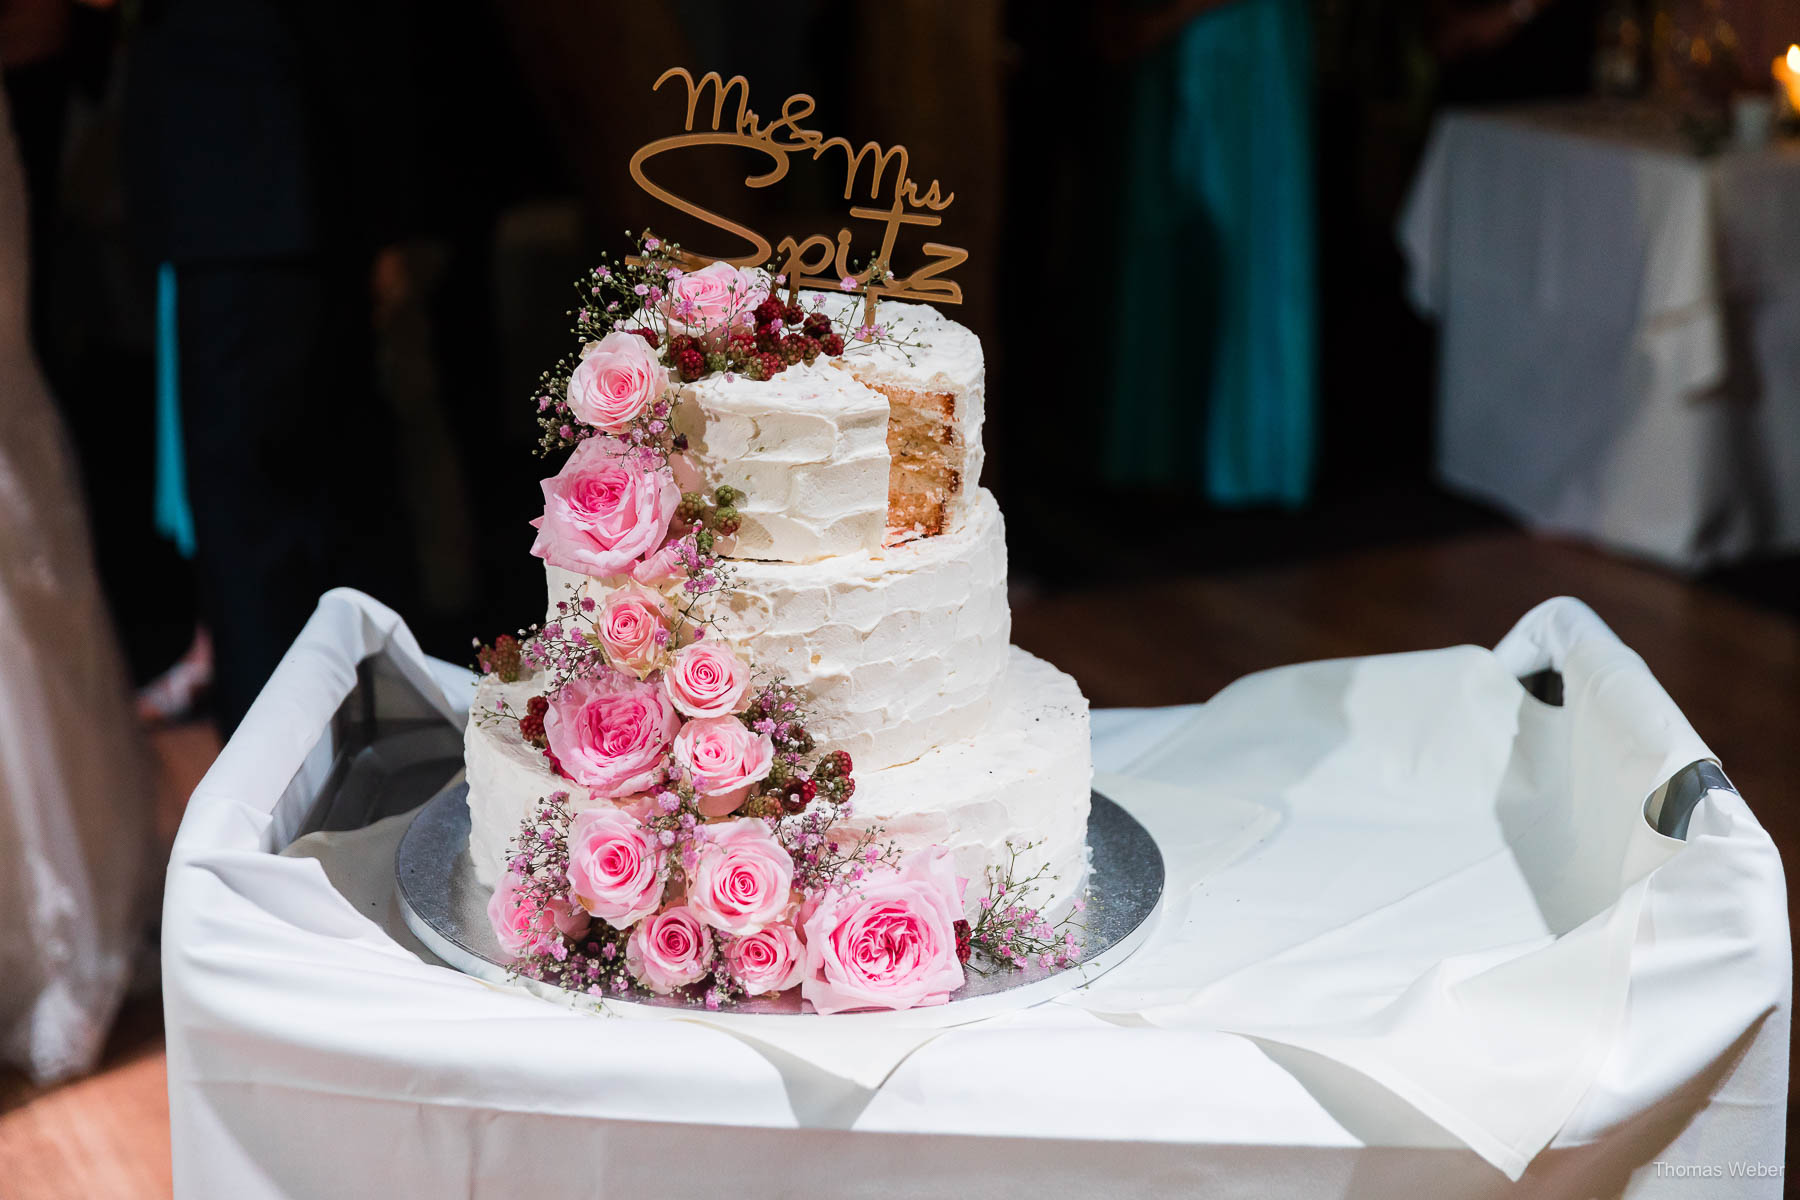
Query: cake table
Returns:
{"type": "Point", "coordinates": [1466, 942]}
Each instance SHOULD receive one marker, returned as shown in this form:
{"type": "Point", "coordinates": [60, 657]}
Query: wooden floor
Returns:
{"type": "Point", "coordinates": [1734, 670]}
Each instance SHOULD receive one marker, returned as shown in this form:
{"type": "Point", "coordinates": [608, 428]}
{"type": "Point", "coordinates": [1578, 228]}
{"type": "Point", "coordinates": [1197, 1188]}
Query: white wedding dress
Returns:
{"type": "Point", "coordinates": [75, 795]}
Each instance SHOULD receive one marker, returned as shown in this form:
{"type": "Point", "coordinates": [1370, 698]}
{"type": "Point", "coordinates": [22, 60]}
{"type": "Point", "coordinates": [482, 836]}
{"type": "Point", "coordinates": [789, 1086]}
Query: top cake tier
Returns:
{"type": "Point", "coordinates": [873, 448]}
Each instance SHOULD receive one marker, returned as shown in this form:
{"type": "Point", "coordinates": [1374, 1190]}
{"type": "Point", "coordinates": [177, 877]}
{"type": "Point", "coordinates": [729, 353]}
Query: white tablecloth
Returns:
{"type": "Point", "coordinates": [1428, 904]}
{"type": "Point", "coordinates": [1620, 352]}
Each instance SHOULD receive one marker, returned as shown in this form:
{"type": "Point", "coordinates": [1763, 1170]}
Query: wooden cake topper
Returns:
{"type": "Point", "coordinates": [819, 260]}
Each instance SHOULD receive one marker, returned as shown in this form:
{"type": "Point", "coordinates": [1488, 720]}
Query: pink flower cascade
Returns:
{"type": "Point", "coordinates": [724, 759]}
{"type": "Point", "coordinates": [608, 508]}
{"type": "Point", "coordinates": [713, 301]}
{"type": "Point", "coordinates": [524, 928]}
{"type": "Point", "coordinates": [611, 733]}
{"type": "Point", "coordinates": [890, 943]}
{"type": "Point", "coordinates": [618, 377]}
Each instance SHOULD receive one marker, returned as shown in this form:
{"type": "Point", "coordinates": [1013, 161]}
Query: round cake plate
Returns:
{"type": "Point", "coordinates": [446, 909]}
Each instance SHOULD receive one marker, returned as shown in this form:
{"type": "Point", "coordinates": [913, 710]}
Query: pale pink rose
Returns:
{"type": "Point", "coordinates": [724, 759]}
{"type": "Point", "coordinates": [710, 302]}
{"type": "Point", "coordinates": [618, 377]}
{"type": "Point", "coordinates": [663, 567]}
{"type": "Point", "coordinates": [525, 929]}
{"type": "Point", "coordinates": [888, 943]}
{"type": "Point", "coordinates": [708, 679]}
{"type": "Point", "coordinates": [769, 960]}
{"type": "Point", "coordinates": [610, 734]}
{"type": "Point", "coordinates": [633, 624]}
{"type": "Point", "coordinates": [670, 950]}
{"type": "Point", "coordinates": [616, 866]}
{"type": "Point", "coordinates": [605, 509]}
{"type": "Point", "coordinates": [744, 878]}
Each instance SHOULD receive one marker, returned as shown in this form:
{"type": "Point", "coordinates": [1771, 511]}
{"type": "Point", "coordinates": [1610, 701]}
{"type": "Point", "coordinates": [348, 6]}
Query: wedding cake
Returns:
{"type": "Point", "coordinates": [769, 508]}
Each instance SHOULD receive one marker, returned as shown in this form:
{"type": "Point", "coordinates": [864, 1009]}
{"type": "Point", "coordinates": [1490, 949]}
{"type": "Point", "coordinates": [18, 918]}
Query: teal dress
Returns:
{"type": "Point", "coordinates": [1215, 377]}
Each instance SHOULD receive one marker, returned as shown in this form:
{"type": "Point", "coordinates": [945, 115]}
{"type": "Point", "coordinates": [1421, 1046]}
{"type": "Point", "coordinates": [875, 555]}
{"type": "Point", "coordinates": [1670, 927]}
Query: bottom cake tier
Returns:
{"type": "Point", "coordinates": [1024, 778]}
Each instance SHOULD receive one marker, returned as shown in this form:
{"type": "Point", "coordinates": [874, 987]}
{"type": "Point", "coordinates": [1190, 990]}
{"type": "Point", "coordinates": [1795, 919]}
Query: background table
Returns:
{"type": "Point", "coordinates": [297, 1023]}
{"type": "Point", "coordinates": [1620, 351]}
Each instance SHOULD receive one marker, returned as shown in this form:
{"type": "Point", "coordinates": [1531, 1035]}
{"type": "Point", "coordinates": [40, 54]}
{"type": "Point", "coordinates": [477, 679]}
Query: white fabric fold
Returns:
{"type": "Point", "coordinates": [1429, 900]}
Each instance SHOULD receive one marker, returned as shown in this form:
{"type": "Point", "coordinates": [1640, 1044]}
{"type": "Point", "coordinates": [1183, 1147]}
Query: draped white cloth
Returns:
{"type": "Point", "coordinates": [75, 801]}
{"type": "Point", "coordinates": [1426, 906]}
{"type": "Point", "coordinates": [1620, 320]}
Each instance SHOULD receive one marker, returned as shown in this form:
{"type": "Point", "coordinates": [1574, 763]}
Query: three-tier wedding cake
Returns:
{"type": "Point", "coordinates": [774, 583]}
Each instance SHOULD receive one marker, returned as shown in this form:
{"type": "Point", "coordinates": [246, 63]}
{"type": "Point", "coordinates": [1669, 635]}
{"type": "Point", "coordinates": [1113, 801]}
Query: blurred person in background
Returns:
{"type": "Point", "coordinates": [75, 808]}
{"type": "Point", "coordinates": [1214, 379]}
{"type": "Point", "coordinates": [269, 174]}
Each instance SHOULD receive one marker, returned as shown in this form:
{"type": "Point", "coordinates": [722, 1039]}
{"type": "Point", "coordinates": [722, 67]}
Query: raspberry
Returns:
{"type": "Point", "coordinates": [962, 940]}
{"type": "Point", "coordinates": [762, 805]}
{"type": "Point", "coordinates": [766, 342]}
{"type": "Point", "coordinates": [835, 763]}
{"type": "Point", "coordinates": [809, 791]}
{"type": "Point", "coordinates": [531, 728]}
{"type": "Point", "coordinates": [537, 706]}
{"type": "Point", "coordinates": [817, 324]}
{"type": "Point", "coordinates": [768, 310]}
{"type": "Point", "coordinates": [809, 347]}
{"type": "Point", "coordinates": [793, 349]}
{"type": "Point", "coordinates": [692, 507]}
{"type": "Point", "coordinates": [743, 341]}
{"type": "Point", "coordinates": [791, 314]}
{"type": "Point", "coordinates": [649, 335]}
{"type": "Point", "coordinates": [768, 365]}
{"type": "Point", "coordinates": [831, 344]}
{"type": "Point", "coordinates": [500, 660]}
{"type": "Point", "coordinates": [692, 364]}
{"type": "Point", "coordinates": [677, 344]}
{"type": "Point", "coordinates": [727, 521]}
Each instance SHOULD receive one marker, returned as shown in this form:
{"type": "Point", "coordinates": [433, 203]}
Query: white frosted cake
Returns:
{"type": "Point", "coordinates": [832, 537]}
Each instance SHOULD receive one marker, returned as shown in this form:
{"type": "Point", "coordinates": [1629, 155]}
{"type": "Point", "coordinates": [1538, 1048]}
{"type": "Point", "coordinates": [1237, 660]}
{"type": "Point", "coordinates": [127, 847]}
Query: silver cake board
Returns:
{"type": "Point", "coordinates": [446, 909]}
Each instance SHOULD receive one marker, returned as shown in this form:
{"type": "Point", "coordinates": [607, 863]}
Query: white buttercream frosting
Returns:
{"type": "Point", "coordinates": [900, 647]}
{"type": "Point", "coordinates": [1023, 778]}
{"type": "Point", "coordinates": [809, 447]}
{"type": "Point", "coordinates": [809, 450]}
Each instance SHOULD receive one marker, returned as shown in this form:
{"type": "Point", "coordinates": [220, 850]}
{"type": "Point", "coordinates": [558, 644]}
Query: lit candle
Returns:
{"type": "Point", "coordinates": [1787, 76]}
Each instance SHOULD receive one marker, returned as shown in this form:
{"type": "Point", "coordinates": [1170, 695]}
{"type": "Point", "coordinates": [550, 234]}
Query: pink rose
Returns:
{"type": "Point", "coordinates": [604, 509]}
{"type": "Point", "coordinates": [525, 929]}
{"type": "Point", "coordinates": [769, 960]}
{"type": "Point", "coordinates": [891, 943]}
{"type": "Point", "coordinates": [610, 733]}
{"type": "Point", "coordinates": [708, 679]}
{"type": "Point", "coordinates": [616, 866]}
{"type": "Point", "coordinates": [618, 377]}
{"type": "Point", "coordinates": [663, 567]}
{"type": "Point", "coordinates": [707, 303]}
{"type": "Point", "coordinates": [744, 878]}
{"type": "Point", "coordinates": [670, 950]}
{"type": "Point", "coordinates": [633, 624]}
{"type": "Point", "coordinates": [724, 759]}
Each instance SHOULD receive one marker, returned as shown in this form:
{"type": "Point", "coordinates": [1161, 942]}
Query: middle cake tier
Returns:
{"type": "Point", "coordinates": [902, 648]}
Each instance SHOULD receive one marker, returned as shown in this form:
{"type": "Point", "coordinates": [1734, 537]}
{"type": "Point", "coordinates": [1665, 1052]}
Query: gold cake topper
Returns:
{"type": "Point", "coordinates": [818, 260]}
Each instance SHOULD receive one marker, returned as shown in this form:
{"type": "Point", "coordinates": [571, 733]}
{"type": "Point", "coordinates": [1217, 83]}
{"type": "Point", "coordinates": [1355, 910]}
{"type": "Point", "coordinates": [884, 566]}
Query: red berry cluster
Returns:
{"type": "Point", "coordinates": [962, 941]}
{"type": "Point", "coordinates": [500, 659]}
{"type": "Point", "coordinates": [531, 725]}
{"type": "Point", "coordinates": [784, 334]}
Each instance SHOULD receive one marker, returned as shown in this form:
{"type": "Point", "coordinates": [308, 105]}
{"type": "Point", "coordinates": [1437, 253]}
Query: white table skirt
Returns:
{"type": "Point", "coordinates": [312, 1053]}
{"type": "Point", "coordinates": [1620, 351]}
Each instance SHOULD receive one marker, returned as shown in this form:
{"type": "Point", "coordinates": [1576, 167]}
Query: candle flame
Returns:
{"type": "Point", "coordinates": [1793, 58]}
